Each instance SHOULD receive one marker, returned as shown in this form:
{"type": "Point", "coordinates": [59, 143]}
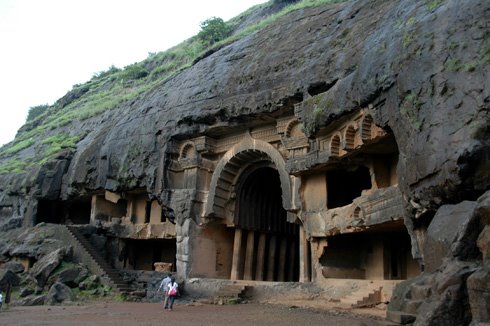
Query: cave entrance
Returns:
{"type": "Point", "coordinates": [138, 254]}
{"type": "Point", "coordinates": [383, 253]}
{"type": "Point", "coordinates": [64, 212]}
{"type": "Point", "coordinates": [344, 186]}
{"type": "Point", "coordinates": [265, 246]}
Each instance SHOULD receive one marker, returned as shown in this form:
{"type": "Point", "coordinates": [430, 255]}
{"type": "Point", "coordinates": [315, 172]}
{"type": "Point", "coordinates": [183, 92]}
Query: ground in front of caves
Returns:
{"type": "Point", "coordinates": [184, 313]}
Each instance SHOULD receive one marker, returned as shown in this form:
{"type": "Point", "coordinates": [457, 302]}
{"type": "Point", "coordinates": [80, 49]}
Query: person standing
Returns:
{"type": "Point", "coordinates": [172, 292]}
{"type": "Point", "coordinates": [164, 287]}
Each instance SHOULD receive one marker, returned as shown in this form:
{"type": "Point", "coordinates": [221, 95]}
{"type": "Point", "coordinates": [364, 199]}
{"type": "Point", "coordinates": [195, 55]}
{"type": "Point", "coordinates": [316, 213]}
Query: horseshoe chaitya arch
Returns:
{"type": "Point", "coordinates": [231, 166]}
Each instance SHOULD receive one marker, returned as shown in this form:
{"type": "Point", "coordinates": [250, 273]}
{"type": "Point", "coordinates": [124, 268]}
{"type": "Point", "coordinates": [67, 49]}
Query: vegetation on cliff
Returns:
{"type": "Point", "coordinates": [46, 130]}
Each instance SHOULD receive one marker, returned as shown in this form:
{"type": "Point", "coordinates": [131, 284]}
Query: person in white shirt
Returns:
{"type": "Point", "coordinates": [172, 292]}
{"type": "Point", "coordinates": [164, 287]}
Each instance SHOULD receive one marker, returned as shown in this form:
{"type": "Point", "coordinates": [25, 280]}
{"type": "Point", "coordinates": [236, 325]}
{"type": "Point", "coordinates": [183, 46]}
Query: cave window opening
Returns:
{"type": "Point", "coordinates": [335, 146]}
{"type": "Point", "coordinates": [350, 136]}
{"type": "Point", "coordinates": [163, 218]}
{"type": "Point", "coordinates": [357, 213]}
{"type": "Point", "coordinates": [367, 124]}
{"type": "Point", "coordinates": [344, 186]}
{"type": "Point", "coordinates": [147, 212]}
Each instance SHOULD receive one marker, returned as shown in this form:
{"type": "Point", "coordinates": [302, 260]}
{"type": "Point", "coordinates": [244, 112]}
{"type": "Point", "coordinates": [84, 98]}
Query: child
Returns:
{"type": "Point", "coordinates": [172, 292]}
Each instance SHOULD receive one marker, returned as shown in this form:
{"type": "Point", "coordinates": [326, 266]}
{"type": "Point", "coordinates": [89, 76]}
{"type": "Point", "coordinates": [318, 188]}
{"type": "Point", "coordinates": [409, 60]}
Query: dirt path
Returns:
{"type": "Point", "coordinates": [112, 313]}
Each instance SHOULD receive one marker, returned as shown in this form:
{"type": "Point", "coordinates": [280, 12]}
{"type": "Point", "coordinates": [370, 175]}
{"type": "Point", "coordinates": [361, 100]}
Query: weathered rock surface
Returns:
{"type": "Point", "coordinates": [33, 242]}
{"type": "Point", "coordinates": [8, 277]}
{"type": "Point", "coordinates": [422, 68]}
{"type": "Point", "coordinates": [46, 265]}
{"type": "Point", "coordinates": [90, 283]}
{"type": "Point", "coordinates": [37, 300]}
{"type": "Point", "coordinates": [454, 290]}
{"type": "Point", "coordinates": [452, 232]}
{"type": "Point", "coordinates": [72, 276]}
{"type": "Point", "coordinates": [14, 267]}
{"type": "Point", "coordinates": [479, 294]}
{"type": "Point", "coordinates": [59, 293]}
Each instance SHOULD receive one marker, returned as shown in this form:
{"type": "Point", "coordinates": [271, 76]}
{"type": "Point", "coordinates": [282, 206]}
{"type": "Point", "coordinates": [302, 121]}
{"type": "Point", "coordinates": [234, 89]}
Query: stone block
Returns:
{"type": "Point", "coordinates": [483, 243]}
{"type": "Point", "coordinates": [478, 285]}
{"type": "Point", "coordinates": [450, 233]}
{"type": "Point", "coordinates": [420, 291]}
{"type": "Point", "coordinates": [163, 267]}
{"type": "Point", "coordinates": [400, 317]}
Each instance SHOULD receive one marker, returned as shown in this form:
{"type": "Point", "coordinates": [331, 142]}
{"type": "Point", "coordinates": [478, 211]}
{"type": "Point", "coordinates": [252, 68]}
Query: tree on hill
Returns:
{"type": "Point", "coordinates": [36, 111]}
{"type": "Point", "coordinates": [213, 30]}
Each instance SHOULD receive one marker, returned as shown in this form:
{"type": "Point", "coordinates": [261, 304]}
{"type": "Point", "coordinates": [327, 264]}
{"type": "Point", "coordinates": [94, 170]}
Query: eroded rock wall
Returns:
{"type": "Point", "coordinates": [420, 67]}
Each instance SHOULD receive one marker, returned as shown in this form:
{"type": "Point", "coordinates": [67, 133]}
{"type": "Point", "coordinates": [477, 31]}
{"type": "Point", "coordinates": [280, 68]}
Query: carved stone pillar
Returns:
{"type": "Point", "coordinates": [249, 257]}
{"type": "Point", "coordinates": [272, 258]}
{"type": "Point", "coordinates": [282, 260]}
{"type": "Point", "coordinates": [292, 253]}
{"type": "Point", "coordinates": [304, 257]}
{"type": "Point", "coordinates": [236, 265]}
{"type": "Point", "coordinates": [259, 271]}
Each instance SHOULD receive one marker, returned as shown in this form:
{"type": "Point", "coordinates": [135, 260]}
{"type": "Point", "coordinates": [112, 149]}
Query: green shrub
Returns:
{"type": "Point", "coordinates": [213, 30]}
{"type": "Point", "coordinates": [36, 111]}
{"type": "Point", "coordinates": [18, 146]}
{"type": "Point", "coordinates": [134, 72]}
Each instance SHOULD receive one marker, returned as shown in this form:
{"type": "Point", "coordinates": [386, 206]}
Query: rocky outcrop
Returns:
{"type": "Point", "coordinates": [59, 293]}
{"type": "Point", "coordinates": [46, 265]}
{"type": "Point", "coordinates": [454, 290]}
{"type": "Point", "coordinates": [420, 67]}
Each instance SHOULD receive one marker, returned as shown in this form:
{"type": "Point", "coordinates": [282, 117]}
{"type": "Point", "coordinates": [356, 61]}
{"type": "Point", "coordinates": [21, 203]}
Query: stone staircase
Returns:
{"type": "Point", "coordinates": [231, 292]}
{"type": "Point", "coordinates": [366, 295]}
{"type": "Point", "coordinates": [102, 268]}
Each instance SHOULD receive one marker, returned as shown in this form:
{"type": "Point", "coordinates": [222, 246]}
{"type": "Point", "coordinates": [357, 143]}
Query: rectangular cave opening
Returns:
{"type": "Point", "coordinates": [377, 255]}
{"type": "Point", "coordinates": [138, 254]}
{"type": "Point", "coordinates": [64, 212]}
{"type": "Point", "coordinates": [105, 210]}
{"type": "Point", "coordinates": [50, 211]}
{"type": "Point", "coordinates": [343, 185]}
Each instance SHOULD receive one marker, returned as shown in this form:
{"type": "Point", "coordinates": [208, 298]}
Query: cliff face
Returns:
{"type": "Point", "coordinates": [421, 67]}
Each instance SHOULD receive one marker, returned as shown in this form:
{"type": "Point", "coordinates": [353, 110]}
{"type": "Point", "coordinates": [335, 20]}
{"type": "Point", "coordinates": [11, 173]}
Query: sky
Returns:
{"type": "Point", "coordinates": [47, 46]}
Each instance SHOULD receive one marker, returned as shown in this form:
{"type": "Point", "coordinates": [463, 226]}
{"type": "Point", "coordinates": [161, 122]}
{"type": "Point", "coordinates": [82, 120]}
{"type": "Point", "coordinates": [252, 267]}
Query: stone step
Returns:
{"type": "Point", "coordinates": [369, 295]}
{"type": "Point", "coordinates": [107, 271]}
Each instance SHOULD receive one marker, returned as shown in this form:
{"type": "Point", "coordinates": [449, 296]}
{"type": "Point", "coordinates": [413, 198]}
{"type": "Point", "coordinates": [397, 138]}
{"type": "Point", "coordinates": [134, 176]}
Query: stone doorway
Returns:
{"type": "Point", "coordinates": [266, 246]}
{"type": "Point", "coordinates": [382, 253]}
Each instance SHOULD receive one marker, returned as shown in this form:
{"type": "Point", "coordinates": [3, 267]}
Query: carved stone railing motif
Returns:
{"type": "Point", "coordinates": [374, 208]}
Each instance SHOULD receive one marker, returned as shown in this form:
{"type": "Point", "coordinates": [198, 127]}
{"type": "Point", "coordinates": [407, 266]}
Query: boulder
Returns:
{"type": "Point", "coordinates": [483, 243]}
{"type": "Point", "coordinates": [91, 283]}
{"type": "Point", "coordinates": [452, 232]}
{"type": "Point", "coordinates": [14, 266]}
{"type": "Point", "coordinates": [59, 293]}
{"type": "Point", "coordinates": [43, 268]}
{"type": "Point", "coordinates": [37, 300]}
{"type": "Point", "coordinates": [72, 276]}
{"type": "Point", "coordinates": [479, 294]}
{"type": "Point", "coordinates": [24, 292]}
{"type": "Point", "coordinates": [8, 277]}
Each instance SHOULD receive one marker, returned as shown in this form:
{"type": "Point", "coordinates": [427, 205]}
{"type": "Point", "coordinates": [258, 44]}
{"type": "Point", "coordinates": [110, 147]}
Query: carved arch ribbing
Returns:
{"type": "Point", "coordinates": [231, 165]}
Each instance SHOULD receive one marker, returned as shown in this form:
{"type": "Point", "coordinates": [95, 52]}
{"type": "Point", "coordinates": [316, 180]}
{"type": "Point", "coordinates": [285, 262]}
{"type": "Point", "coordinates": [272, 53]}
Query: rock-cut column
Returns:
{"type": "Point", "coordinates": [249, 257]}
{"type": "Point", "coordinates": [236, 265]}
